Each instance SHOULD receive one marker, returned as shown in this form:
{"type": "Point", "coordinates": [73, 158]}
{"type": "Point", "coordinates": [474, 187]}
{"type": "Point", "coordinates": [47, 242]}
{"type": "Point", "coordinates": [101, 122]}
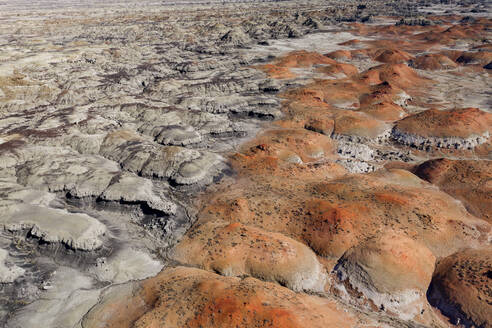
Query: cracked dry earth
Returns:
{"type": "Point", "coordinates": [250, 164]}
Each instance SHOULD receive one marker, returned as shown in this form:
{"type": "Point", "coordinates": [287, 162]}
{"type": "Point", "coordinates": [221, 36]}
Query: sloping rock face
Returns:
{"type": "Point", "coordinates": [461, 287]}
{"type": "Point", "coordinates": [188, 297]}
{"type": "Point", "coordinates": [392, 56]}
{"type": "Point", "coordinates": [458, 128]}
{"type": "Point", "coordinates": [269, 184]}
{"type": "Point", "coordinates": [392, 271]}
{"type": "Point", "coordinates": [239, 250]}
{"type": "Point", "coordinates": [466, 180]}
{"type": "Point", "coordinates": [8, 273]}
{"type": "Point", "coordinates": [433, 62]}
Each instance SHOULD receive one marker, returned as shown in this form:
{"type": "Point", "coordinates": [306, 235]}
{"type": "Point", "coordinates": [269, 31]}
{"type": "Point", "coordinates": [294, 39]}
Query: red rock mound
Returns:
{"type": "Point", "coordinates": [390, 262]}
{"type": "Point", "coordinates": [333, 215]}
{"type": "Point", "coordinates": [385, 111]}
{"type": "Point", "coordinates": [340, 55]}
{"type": "Point", "coordinates": [193, 298]}
{"type": "Point", "coordinates": [384, 92]}
{"type": "Point", "coordinates": [392, 272]}
{"type": "Point", "coordinates": [461, 123]}
{"type": "Point", "coordinates": [293, 145]}
{"type": "Point", "coordinates": [393, 199]}
{"type": "Point", "coordinates": [475, 58]}
{"type": "Point", "coordinates": [352, 123]}
{"type": "Point", "coordinates": [342, 92]}
{"type": "Point", "coordinates": [448, 36]}
{"type": "Point", "coordinates": [467, 180]}
{"type": "Point", "coordinates": [280, 68]}
{"type": "Point", "coordinates": [383, 83]}
{"type": "Point", "coordinates": [433, 62]}
{"type": "Point", "coordinates": [461, 287]}
{"type": "Point", "coordinates": [392, 56]}
{"type": "Point", "coordinates": [303, 58]}
{"type": "Point", "coordinates": [399, 75]}
{"type": "Point", "coordinates": [468, 31]}
{"type": "Point", "coordinates": [337, 69]}
{"type": "Point", "coordinates": [237, 250]}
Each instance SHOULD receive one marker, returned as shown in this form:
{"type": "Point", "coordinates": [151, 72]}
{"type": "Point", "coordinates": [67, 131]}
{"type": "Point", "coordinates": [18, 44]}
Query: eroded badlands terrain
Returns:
{"type": "Point", "coordinates": [256, 164]}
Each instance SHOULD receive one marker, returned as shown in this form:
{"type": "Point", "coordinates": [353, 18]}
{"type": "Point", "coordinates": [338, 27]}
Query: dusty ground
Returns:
{"type": "Point", "coordinates": [292, 164]}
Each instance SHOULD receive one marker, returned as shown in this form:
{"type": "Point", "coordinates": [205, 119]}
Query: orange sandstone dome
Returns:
{"type": "Point", "coordinates": [359, 124]}
{"type": "Point", "coordinates": [385, 111]}
{"type": "Point", "coordinates": [433, 62]}
{"type": "Point", "coordinates": [335, 69]}
{"type": "Point", "coordinates": [477, 57]}
{"type": "Point", "coordinates": [332, 215]}
{"type": "Point", "coordinates": [392, 272]}
{"type": "Point", "coordinates": [339, 54]}
{"type": "Point", "coordinates": [392, 56]}
{"type": "Point", "coordinates": [462, 123]}
{"type": "Point", "coordinates": [280, 68]}
{"type": "Point", "coordinates": [467, 180]}
{"type": "Point", "coordinates": [303, 58]}
{"type": "Point", "coordinates": [234, 249]}
{"type": "Point", "coordinates": [194, 298]}
{"type": "Point", "coordinates": [399, 75]}
{"type": "Point", "coordinates": [462, 287]}
{"type": "Point", "coordinates": [391, 262]}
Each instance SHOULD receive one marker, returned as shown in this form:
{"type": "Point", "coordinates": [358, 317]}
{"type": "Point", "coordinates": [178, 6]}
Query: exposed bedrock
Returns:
{"type": "Point", "coordinates": [433, 62]}
{"type": "Point", "coordinates": [461, 287]}
{"type": "Point", "coordinates": [171, 299]}
{"type": "Point", "coordinates": [466, 180]}
{"type": "Point", "coordinates": [392, 271]}
{"type": "Point", "coordinates": [9, 272]}
{"type": "Point", "coordinates": [28, 209]}
{"type": "Point", "coordinates": [233, 249]}
{"type": "Point", "coordinates": [174, 163]}
{"type": "Point", "coordinates": [240, 164]}
{"type": "Point", "coordinates": [457, 128]}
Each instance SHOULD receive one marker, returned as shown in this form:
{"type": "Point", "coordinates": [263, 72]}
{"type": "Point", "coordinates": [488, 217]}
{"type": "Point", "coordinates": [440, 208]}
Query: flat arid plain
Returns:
{"type": "Point", "coordinates": [237, 164]}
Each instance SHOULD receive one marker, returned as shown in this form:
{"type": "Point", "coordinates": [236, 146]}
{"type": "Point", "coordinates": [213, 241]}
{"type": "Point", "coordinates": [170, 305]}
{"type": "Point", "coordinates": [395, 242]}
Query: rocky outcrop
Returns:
{"type": "Point", "coordinates": [239, 250]}
{"type": "Point", "coordinates": [475, 58]}
{"type": "Point", "coordinates": [433, 62]}
{"type": "Point", "coordinates": [461, 287]}
{"type": "Point", "coordinates": [172, 297]}
{"type": "Point", "coordinates": [392, 56]}
{"type": "Point", "coordinates": [466, 180]}
{"type": "Point", "coordinates": [124, 151]}
{"type": "Point", "coordinates": [392, 271]}
{"type": "Point", "coordinates": [236, 37]}
{"type": "Point", "coordinates": [178, 164]}
{"type": "Point", "coordinates": [8, 272]}
{"type": "Point", "coordinates": [77, 231]}
{"type": "Point", "coordinates": [458, 128]}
